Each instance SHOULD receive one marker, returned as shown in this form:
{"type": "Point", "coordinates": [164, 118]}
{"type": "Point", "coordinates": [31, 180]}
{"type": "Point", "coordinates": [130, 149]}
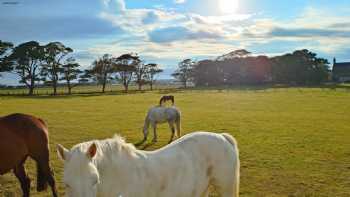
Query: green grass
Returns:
{"type": "Point", "coordinates": [293, 142]}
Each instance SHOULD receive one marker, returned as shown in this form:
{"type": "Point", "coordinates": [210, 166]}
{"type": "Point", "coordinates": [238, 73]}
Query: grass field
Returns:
{"type": "Point", "coordinates": [293, 141]}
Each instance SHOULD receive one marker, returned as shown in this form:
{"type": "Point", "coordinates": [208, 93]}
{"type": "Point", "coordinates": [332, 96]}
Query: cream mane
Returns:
{"type": "Point", "coordinates": [122, 145]}
{"type": "Point", "coordinates": [108, 147]}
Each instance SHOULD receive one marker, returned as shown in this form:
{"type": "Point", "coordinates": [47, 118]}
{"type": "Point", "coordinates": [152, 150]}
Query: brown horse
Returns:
{"type": "Point", "coordinates": [22, 136]}
{"type": "Point", "coordinates": [166, 98]}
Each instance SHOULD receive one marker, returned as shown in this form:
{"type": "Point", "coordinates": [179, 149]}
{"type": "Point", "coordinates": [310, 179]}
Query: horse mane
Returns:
{"type": "Point", "coordinates": [109, 147]}
{"type": "Point", "coordinates": [122, 146]}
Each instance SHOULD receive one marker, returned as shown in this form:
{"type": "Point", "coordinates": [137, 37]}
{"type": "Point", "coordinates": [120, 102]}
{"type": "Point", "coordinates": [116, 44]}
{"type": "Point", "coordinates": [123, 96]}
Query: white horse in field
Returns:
{"type": "Point", "coordinates": [161, 114]}
{"type": "Point", "coordinates": [113, 168]}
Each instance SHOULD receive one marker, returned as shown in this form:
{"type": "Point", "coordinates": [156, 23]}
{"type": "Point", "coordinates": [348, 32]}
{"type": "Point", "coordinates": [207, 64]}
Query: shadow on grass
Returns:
{"type": "Point", "coordinates": [182, 90]}
{"type": "Point", "coordinates": [172, 90]}
{"type": "Point", "coordinates": [142, 146]}
{"type": "Point", "coordinates": [272, 86]}
{"type": "Point", "coordinates": [75, 95]}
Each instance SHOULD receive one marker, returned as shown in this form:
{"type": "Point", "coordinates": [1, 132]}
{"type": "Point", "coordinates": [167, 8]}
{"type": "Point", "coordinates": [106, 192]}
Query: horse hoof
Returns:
{"type": "Point", "coordinates": [154, 140]}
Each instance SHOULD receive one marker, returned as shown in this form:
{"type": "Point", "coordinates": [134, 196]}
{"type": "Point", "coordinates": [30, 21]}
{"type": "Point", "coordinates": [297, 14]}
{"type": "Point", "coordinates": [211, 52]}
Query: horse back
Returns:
{"type": "Point", "coordinates": [13, 147]}
{"type": "Point", "coordinates": [23, 123]}
{"type": "Point", "coordinates": [30, 130]}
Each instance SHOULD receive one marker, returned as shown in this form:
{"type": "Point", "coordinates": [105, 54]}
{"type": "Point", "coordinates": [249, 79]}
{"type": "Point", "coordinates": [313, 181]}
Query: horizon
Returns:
{"type": "Point", "coordinates": [166, 32]}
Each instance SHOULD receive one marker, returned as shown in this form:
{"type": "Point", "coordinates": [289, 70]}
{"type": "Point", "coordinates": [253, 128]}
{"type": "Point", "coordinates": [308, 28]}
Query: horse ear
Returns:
{"type": "Point", "coordinates": [92, 151]}
{"type": "Point", "coordinates": [62, 152]}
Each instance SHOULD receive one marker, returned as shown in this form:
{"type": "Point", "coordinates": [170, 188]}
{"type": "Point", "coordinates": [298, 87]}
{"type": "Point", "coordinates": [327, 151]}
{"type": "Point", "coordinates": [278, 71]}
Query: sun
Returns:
{"type": "Point", "coordinates": [228, 6]}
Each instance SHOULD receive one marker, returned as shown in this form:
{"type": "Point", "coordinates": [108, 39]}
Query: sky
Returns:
{"type": "Point", "coordinates": [168, 31]}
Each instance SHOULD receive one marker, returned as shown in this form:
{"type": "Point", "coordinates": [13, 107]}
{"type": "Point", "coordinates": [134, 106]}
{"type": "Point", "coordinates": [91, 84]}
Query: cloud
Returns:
{"type": "Point", "coordinates": [54, 28]}
{"type": "Point", "coordinates": [151, 17]}
{"type": "Point", "coordinates": [177, 33]}
{"type": "Point", "coordinates": [307, 32]}
{"type": "Point", "coordinates": [179, 1]}
{"type": "Point", "coordinates": [316, 29]}
{"type": "Point", "coordinates": [340, 25]}
{"type": "Point", "coordinates": [115, 5]}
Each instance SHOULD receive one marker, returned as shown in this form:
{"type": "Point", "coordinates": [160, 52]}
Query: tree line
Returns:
{"type": "Point", "coordinates": [52, 63]}
{"type": "Point", "coordinates": [240, 67]}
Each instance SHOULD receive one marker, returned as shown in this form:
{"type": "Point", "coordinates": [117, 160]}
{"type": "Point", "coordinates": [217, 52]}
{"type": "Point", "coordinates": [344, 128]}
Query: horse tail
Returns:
{"type": "Point", "coordinates": [233, 142]}
{"type": "Point", "coordinates": [44, 172]}
{"type": "Point", "coordinates": [41, 178]}
{"type": "Point", "coordinates": [178, 124]}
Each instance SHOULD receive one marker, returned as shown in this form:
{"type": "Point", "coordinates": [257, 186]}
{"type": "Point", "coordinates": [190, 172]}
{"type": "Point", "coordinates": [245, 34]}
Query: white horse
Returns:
{"type": "Point", "coordinates": [186, 168]}
{"type": "Point", "coordinates": [161, 114]}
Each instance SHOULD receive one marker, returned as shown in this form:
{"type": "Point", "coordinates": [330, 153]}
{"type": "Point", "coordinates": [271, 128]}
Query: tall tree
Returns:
{"type": "Point", "coordinates": [5, 47]}
{"type": "Point", "coordinates": [102, 70]}
{"type": "Point", "coordinates": [27, 59]}
{"type": "Point", "coordinates": [184, 72]}
{"type": "Point", "coordinates": [55, 52]}
{"type": "Point", "coordinates": [70, 72]}
{"type": "Point", "coordinates": [140, 74]}
{"type": "Point", "coordinates": [125, 66]}
{"type": "Point", "coordinates": [209, 73]}
{"type": "Point", "coordinates": [300, 67]}
{"type": "Point", "coordinates": [152, 70]}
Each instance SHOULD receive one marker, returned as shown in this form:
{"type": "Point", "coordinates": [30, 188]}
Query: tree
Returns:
{"type": "Point", "coordinates": [184, 72]}
{"type": "Point", "coordinates": [240, 53]}
{"type": "Point", "coordinates": [140, 74]}
{"type": "Point", "coordinates": [102, 70]}
{"type": "Point", "coordinates": [300, 67]}
{"type": "Point", "coordinates": [152, 70]}
{"type": "Point", "coordinates": [54, 55]}
{"type": "Point", "coordinates": [27, 59]}
{"type": "Point", "coordinates": [209, 73]}
{"type": "Point", "coordinates": [5, 47]}
{"type": "Point", "coordinates": [70, 72]}
{"type": "Point", "coordinates": [125, 66]}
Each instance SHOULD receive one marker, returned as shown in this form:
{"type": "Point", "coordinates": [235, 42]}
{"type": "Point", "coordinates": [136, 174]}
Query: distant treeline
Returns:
{"type": "Point", "coordinates": [302, 67]}
{"type": "Point", "coordinates": [51, 63]}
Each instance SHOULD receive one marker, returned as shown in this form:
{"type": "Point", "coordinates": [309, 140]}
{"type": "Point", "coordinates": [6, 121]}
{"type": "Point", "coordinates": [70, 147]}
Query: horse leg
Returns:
{"type": "Point", "coordinates": [51, 181]}
{"type": "Point", "coordinates": [154, 125]}
{"type": "Point", "coordinates": [227, 188]}
{"type": "Point", "coordinates": [145, 134]}
{"type": "Point", "coordinates": [171, 125]}
{"type": "Point", "coordinates": [178, 127]}
{"type": "Point", "coordinates": [145, 130]}
{"type": "Point", "coordinates": [21, 175]}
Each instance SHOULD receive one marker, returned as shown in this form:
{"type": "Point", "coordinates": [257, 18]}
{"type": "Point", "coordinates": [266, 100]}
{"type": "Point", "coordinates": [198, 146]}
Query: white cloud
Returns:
{"type": "Point", "coordinates": [179, 1]}
{"type": "Point", "coordinates": [115, 5]}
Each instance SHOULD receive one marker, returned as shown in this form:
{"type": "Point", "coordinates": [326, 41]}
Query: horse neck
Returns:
{"type": "Point", "coordinates": [120, 172]}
